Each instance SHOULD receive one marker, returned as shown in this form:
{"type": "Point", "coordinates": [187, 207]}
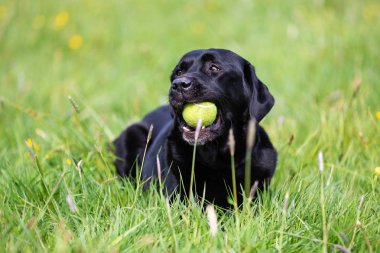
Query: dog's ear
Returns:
{"type": "Point", "coordinates": [261, 101]}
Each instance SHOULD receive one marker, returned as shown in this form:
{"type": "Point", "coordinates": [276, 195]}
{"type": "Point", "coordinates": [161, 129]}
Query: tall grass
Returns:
{"type": "Point", "coordinates": [59, 191]}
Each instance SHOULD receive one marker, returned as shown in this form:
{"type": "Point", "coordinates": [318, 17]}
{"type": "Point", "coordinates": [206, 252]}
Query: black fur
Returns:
{"type": "Point", "coordinates": [226, 79]}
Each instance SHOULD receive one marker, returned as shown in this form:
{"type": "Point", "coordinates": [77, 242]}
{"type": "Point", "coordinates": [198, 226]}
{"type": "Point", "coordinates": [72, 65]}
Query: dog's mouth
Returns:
{"type": "Point", "coordinates": [206, 133]}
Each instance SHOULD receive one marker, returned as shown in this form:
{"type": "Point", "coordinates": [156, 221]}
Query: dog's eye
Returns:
{"type": "Point", "coordinates": [214, 68]}
{"type": "Point", "coordinates": [178, 72]}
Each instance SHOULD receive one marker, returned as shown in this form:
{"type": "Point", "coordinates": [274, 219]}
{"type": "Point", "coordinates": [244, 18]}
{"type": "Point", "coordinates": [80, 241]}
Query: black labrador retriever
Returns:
{"type": "Point", "coordinates": [221, 77]}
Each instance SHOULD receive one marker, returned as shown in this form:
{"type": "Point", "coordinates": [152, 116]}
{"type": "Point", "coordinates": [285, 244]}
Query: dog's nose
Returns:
{"type": "Point", "coordinates": [182, 83]}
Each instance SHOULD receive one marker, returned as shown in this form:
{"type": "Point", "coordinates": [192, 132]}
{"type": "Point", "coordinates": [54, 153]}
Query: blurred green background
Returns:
{"type": "Point", "coordinates": [320, 60]}
{"type": "Point", "coordinates": [115, 58]}
{"type": "Point", "coordinates": [303, 51]}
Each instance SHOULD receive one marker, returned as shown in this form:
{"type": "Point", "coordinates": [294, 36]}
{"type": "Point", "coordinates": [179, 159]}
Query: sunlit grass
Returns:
{"type": "Point", "coordinates": [73, 74]}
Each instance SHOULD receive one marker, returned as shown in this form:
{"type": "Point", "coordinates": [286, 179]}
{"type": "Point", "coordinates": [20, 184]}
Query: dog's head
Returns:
{"type": "Point", "coordinates": [221, 77]}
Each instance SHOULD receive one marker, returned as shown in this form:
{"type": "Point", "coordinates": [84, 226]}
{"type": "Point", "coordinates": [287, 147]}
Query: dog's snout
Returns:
{"type": "Point", "coordinates": [182, 83]}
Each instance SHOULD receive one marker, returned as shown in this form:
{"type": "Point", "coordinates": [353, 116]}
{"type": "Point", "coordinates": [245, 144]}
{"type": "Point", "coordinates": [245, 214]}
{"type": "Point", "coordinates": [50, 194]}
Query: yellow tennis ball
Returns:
{"type": "Point", "coordinates": [204, 110]}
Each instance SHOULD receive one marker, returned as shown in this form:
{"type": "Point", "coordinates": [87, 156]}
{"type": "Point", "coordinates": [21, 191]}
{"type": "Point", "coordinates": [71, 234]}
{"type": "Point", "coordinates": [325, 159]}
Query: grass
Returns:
{"type": "Point", "coordinates": [58, 190]}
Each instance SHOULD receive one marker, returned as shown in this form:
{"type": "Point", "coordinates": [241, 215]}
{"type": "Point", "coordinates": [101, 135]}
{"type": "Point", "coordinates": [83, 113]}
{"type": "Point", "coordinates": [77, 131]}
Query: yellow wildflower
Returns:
{"type": "Point", "coordinates": [377, 171]}
{"type": "Point", "coordinates": [378, 115]}
{"type": "Point", "coordinates": [68, 161]}
{"type": "Point", "coordinates": [38, 22]}
{"type": "Point", "coordinates": [61, 19]}
{"type": "Point", "coordinates": [36, 147]}
{"type": "Point", "coordinates": [75, 41]}
{"type": "Point", "coordinates": [29, 142]}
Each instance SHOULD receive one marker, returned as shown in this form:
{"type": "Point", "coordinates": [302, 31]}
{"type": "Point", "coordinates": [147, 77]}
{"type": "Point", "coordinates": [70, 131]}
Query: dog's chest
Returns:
{"type": "Point", "coordinates": [212, 156]}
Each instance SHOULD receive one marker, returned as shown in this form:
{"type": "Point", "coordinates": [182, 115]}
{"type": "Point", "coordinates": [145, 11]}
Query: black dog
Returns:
{"type": "Point", "coordinates": [221, 77]}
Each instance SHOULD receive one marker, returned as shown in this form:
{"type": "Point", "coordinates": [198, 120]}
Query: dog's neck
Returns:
{"type": "Point", "coordinates": [214, 154]}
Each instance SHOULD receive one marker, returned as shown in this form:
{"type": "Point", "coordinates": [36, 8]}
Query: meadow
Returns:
{"type": "Point", "coordinates": [74, 74]}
